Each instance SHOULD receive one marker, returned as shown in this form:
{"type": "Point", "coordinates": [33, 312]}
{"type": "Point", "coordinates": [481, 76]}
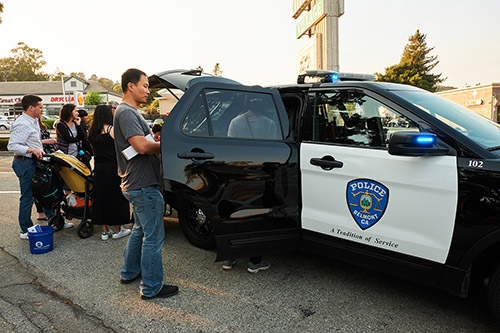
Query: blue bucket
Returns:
{"type": "Point", "coordinates": [42, 242]}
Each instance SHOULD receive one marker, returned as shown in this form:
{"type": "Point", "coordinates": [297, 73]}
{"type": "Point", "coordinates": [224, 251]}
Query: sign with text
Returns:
{"type": "Point", "coordinates": [315, 15]}
{"type": "Point", "coordinates": [309, 54]}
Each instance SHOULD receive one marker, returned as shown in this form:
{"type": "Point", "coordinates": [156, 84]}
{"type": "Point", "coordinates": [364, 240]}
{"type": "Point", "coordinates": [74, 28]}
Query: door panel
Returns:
{"type": "Point", "coordinates": [353, 189]}
{"type": "Point", "coordinates": [240, 183]}
{"type": "Point", "coordinates": [421, 196]}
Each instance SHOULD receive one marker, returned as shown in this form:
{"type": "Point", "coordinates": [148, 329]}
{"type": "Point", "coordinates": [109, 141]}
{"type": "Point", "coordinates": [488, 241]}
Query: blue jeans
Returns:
{"type": "Point", "coordinates": [24, 170]}
{"type": "Point", "coordinates": [143, 251]}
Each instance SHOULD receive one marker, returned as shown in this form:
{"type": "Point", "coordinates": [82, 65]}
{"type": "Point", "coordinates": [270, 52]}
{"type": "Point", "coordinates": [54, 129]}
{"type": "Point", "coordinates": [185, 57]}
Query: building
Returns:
{"type": "Point", "coordinates": [167, 100]}
{"type": "Point", "coordinates": [53, 93]}
{"type": "Point", "coordinates": [482, 99]}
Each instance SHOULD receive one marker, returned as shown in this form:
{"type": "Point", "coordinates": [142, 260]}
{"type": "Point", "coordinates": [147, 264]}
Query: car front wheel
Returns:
{"type": "Point", "coordinates": [494, 293]}
{"type": "Point", "coordinates": [196, 226]}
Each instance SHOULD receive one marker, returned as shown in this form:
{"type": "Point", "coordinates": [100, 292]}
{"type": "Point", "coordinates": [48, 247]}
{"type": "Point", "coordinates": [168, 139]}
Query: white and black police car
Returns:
{"type": "Point", "coordinates": [382, 175]}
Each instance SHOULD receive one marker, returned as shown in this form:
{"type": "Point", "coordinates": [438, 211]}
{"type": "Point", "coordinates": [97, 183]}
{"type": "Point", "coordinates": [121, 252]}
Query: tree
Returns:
{"type": "Point", "coordinates": [80, 75]}
{"type": "Point", "coordinates": [58, 75]}
{"type": "Point", "coordinates": [1, 11]}
{"type": "Point", "coordinates": [415, 66]}
{"type": "Point", "coordinates": [151, 108]}
{"type": "Point", "coordinates": [108, 83]}
{"type": "Point", "coordinates": [118, 88]}
{"type": "Point", "coordinates": [24, 65]}
{"type": "Point", "coordinates": [93, 98]}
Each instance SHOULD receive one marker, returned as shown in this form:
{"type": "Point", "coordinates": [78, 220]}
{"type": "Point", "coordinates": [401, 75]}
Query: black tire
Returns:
{"type": "Point", "coordinates": [57, 222]}
{"type": "Point", "coordinates": [195, 226]}
{"type": "Point", "coordinates": [3, 128]}
{"type": "Point", "coordinates": [85, 229]}
{"type": "Point", "coordinates": [494, 293]}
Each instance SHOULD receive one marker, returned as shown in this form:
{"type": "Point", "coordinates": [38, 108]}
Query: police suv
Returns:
{"type": "Point", "coordinates": [383, 175]}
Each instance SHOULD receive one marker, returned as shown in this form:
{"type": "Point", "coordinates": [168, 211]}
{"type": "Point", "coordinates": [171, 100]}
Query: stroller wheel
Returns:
{"type": "Point", "coordinates": [57, 222]}
{"type": "Point", "coordinates": [85, 229]}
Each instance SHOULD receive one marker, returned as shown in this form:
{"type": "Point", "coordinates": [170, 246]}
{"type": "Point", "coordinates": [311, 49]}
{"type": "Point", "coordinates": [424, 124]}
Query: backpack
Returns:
{"type": "Point", "coordinates": [46, 187]}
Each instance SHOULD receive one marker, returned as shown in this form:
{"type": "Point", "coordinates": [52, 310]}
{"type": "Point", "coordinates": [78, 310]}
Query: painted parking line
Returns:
{"type": "Point", "coordinates": [10, 192]}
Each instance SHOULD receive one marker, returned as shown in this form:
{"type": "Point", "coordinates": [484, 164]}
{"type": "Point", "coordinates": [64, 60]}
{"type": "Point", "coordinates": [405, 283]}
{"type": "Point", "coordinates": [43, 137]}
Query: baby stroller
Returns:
{"type": "Point", "coordinates": [47, 184]}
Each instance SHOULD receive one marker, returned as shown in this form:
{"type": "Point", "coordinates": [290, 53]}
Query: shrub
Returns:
{"type": "Point", "coordinates": [49, 123]}
{"type": "Point", "coordinates": [3, 144]}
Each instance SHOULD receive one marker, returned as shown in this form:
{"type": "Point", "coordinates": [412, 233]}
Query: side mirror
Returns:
{"type": "Point", "coordinates": [417, 144]}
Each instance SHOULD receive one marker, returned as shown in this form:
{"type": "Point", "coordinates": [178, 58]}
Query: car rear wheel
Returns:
{"type": "Point", "coordinates": [3, 127]}
{"type": "Point", "coordinates": [195, 226]}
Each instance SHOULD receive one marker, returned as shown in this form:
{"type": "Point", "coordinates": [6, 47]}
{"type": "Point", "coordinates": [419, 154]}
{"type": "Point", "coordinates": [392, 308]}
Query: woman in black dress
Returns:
{"type": "Point", "coordinates": [109, 207]}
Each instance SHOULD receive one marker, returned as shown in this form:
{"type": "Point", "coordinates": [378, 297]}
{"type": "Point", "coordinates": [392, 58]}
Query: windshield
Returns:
{"type": "Point", "coordinates": [476, 127]}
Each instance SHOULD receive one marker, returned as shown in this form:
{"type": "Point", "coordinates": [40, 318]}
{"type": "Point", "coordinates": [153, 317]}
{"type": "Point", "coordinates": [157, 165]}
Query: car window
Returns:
{"type": "Point", "coordinates": [476, 127]}
{"type": "Point", "coordinates": [352, 118]}
{"type": "Point", "coordinates": [228, 113]}
{"type": "Point", "coordinates": [195, 121]}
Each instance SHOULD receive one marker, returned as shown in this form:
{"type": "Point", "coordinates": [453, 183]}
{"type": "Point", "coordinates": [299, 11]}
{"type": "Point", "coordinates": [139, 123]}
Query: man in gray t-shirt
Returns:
{"type": "Point", "coordinates": [140, 174]}
{"type": "Point", "coordinates": [143, 169]}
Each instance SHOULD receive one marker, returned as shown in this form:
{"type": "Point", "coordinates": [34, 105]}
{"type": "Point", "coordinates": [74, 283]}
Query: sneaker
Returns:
{"type": "Point", "coordinates": [255, 268]}
{"type": "Point", "coordinates": [228, 264]}
{"type": "Point", "coordinates": [123, 232]}
{"type": "Point", "coordinates": [104, 236]}
{"type": "Point", "coordinates": [68, 225]}
{"type": "Point", "coordinates": [166, 291]}
{"type": "Point", "coordinates": [23, 235]}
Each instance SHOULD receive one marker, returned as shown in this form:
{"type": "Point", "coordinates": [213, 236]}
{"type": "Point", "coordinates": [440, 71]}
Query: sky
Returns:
{"type": "Point", "coordinates": [254, 41]}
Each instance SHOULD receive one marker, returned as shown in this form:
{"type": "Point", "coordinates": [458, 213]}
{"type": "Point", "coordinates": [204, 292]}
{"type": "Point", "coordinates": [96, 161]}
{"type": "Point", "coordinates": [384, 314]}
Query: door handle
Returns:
{"type": "Point", "coordinates": [326, 162]}
{"type": "Point", "coordinates": [189, 155]}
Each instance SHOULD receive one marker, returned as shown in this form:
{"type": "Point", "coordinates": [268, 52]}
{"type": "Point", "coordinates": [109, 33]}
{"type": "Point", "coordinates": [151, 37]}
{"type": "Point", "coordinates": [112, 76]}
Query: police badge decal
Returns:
{"type": "Point", "coordinates": [367, 201]}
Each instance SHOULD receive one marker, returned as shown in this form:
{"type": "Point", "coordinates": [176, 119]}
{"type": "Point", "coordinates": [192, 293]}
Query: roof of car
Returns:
{"type": "Point", "coordinates": [362, 84]}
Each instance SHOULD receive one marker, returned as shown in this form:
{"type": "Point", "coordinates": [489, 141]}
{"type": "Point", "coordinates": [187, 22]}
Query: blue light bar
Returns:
{"type": "Point", "coordinates": [334, 77]}
{"type": "Point", "coordinates": [327, 76]}
{"type": "Point", "coordinates": [425, 139]}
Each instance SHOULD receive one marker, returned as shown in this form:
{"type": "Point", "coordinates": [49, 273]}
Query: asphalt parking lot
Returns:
{"type": "Point", "coordinates": [75, 288]}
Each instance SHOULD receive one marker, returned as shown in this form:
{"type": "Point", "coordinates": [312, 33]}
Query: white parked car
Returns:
{"type": "Point", "coordinates": [5, 123]}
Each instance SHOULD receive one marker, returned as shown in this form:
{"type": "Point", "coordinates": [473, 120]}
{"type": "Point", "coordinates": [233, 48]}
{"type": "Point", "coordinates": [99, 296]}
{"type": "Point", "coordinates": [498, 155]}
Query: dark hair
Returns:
{"type": "Point", "coordinates": [132, 75]}
{"type": "Point", "coordinates": [66, 112]}
{"type": "Point", "coordinates": [156, 128]}
{"type": "Point", "coordinates": [102, 116]}
{"type": "Point", "coordinates": [30, 100]}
